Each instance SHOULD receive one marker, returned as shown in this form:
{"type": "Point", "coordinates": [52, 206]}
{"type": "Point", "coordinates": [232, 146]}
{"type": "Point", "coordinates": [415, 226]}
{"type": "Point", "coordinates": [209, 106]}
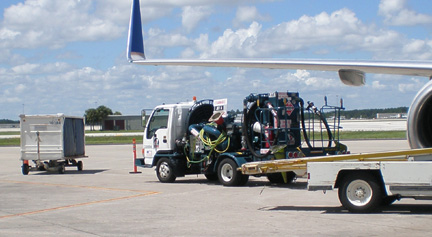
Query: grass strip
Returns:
{"type": "Point", "coordinates": [344, 135]}
{"type": "Point", "coordinates": [10, 133]}
{"type": "Point", "coordinates": [371, 135]}
{"type": "Point", "coordinates": [10, 142]}
{"type": "Point", "coordinates": [113, 140]}
{"type": "Point", "coordinates": [110, 131]}
{"type": "Point", "coordinates": [89, 140]}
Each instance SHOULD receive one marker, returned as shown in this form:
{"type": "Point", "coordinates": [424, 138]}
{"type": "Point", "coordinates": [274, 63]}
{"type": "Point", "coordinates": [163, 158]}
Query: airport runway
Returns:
{"type": "Point", "coordinates": [106, 200]}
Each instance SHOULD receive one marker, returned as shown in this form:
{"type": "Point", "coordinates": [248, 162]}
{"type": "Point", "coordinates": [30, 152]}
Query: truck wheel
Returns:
{"type": "Point", "coordinates": [25, 169]}
{"type": "Point", "coordinates": [360, 192]}
{"type": "Point", "coordinates": [164, 171]}
{"type": "Point", "coordinates": [229, 175]}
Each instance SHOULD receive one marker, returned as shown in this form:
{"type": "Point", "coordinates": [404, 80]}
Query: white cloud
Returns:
{"type": "Point", "coordinates": [49, 68]}
{"type": "Point", "coordinates": [421, 48]}
{"type": "Point", "coordinates": [160, 38]}
{"type": "Point", "coordinates": [20, 88]}
{"type": "Point", "coordinates": [248, 14]}
{"type": "Point", "coordinates": [396, 12]}
{"type": "Point", "coordinates": [340, 31]}
{"type": "Point", "coordinates": [234, 43]}
{"type": "Point", "coordinates": [6, 34]}
{"type": "Point", "coordinates": [303, 80]}
{"type": "Point", "coordinates": [52, 24]}
{"type": "Point", "coordinates": [413, 85]}
{"type": "Point", "coordinates": [26, 68]}
{"type": "Point", "coordinates": [192, 16]}
{"type": "Point", "coordinates": [377, 85]}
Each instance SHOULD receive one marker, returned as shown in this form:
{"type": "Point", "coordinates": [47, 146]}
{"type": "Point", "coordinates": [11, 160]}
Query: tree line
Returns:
{"type": "Point", "coordinates": [8, 121]}
{"type": "Point", "coordinates": [96, 116]}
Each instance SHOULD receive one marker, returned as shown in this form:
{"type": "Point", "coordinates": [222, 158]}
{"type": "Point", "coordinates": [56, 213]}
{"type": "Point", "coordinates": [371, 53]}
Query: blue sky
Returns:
{"type": "Point", "coordinates": [67, 56]}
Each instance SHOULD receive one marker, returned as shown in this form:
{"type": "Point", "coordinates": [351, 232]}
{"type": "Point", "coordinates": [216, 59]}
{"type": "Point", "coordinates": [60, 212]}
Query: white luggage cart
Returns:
{"type": "Point", "coordinates": [51, 142]}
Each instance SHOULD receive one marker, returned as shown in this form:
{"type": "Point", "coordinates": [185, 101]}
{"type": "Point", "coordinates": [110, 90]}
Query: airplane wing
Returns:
{"type": "Point", "coordinates": [350, 72]}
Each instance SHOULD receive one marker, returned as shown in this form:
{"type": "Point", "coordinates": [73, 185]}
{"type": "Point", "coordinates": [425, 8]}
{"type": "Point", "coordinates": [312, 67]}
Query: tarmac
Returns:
{"type": "Point", "coordinates": [105, 199]}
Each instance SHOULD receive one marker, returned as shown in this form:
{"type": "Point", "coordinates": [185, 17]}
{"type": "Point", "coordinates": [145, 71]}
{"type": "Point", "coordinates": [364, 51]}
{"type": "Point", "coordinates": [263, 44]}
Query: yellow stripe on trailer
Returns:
{"type": "Point", "coordinates": [284, 165]}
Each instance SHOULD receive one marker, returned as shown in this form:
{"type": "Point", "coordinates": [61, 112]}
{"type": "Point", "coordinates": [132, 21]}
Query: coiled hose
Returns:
{"type": "Point", "coordinates": [212, 144]}
{"type": "Point", "coordinates": [246, 125]}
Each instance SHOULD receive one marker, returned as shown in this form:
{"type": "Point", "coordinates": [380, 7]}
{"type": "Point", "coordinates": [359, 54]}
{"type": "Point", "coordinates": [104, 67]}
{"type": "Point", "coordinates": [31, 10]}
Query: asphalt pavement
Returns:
{"type": "Point", "coordinates": [105, 199]}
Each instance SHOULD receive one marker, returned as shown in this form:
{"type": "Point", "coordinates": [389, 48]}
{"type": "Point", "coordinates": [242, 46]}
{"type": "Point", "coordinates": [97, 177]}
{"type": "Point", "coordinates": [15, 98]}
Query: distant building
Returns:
{"type": "Point", "coordinates": [391, 115]}
{"type": "Point", "coordinates": [122, 122]}
{"type": "Point", "coordinates": [10, 125]}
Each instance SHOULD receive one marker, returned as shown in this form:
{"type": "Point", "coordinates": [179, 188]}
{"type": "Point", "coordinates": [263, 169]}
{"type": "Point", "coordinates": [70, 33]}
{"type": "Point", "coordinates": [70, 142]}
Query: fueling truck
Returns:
{"type": "Point", "coordinates": [201, 137]}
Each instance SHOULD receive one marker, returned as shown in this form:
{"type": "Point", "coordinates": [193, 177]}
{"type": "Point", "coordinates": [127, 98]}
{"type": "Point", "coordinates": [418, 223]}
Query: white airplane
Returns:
{"type": "Point", "coordinates": [419, 123]}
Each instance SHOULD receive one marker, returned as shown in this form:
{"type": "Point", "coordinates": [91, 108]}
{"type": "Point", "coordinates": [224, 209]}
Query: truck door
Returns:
{"type": "Point", "coordinates": [155, 133]}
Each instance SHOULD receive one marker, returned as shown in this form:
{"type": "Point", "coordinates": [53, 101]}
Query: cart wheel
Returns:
{"type": "Point", "coordinates": [62, 169]}
{"type": "Point", "coordinates": [360, 192]}
{"type": "Point", "coordinates": [80, 165]}
{"type": "Point", "coordinates": [25, 169]}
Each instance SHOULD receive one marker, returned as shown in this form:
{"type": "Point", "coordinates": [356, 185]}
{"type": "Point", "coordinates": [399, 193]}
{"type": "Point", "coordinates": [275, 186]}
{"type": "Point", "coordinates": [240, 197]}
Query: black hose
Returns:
{"type": "Point", "coordinates": [322, 118]}
{"type": "Point", "coordinates": [305, 135]}
{"type": "Point", "coordinates": [245, 128]}
{"type": "Point", "coordinates": [329, 133]}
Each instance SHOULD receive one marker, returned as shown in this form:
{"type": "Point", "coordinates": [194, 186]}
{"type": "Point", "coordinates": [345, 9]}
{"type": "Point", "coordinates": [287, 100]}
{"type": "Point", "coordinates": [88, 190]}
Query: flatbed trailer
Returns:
{"type": "Point", "coordinates": [364, 181]}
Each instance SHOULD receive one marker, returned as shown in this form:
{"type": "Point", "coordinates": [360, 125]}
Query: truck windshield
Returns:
{"type": "Point", "coordinates": [158, 120]}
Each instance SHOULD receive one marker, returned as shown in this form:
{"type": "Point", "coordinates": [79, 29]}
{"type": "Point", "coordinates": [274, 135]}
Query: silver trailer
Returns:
{"type": "Point", "coordinates": [51, 142]}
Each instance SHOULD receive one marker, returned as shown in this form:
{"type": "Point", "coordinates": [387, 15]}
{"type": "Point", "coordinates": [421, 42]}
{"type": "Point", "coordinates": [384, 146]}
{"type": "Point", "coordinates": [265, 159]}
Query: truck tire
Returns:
{"type": "Point", "coordinates": [360, 192]}
{"type": "Point", "coordinates": [164, 171]}
{"type": "Point", "coordinates": [229, 175]}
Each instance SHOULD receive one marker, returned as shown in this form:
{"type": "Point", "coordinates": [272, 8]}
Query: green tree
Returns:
{"type": "Point", "coordinates": [96, 116]}
{"type": "Point", "coordinates": [91, 117]}
{"type": "Point", "coordinates": [103, 112]}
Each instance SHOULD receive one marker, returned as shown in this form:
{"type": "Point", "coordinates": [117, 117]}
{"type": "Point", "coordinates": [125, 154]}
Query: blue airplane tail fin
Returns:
{"type": "Point", "coordinates": [135, 46]}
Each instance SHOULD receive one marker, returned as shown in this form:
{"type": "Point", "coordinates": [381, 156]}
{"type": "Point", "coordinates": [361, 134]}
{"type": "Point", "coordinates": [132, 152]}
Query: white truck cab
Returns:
{"type": "Point", "coordinates": [164, 126]}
